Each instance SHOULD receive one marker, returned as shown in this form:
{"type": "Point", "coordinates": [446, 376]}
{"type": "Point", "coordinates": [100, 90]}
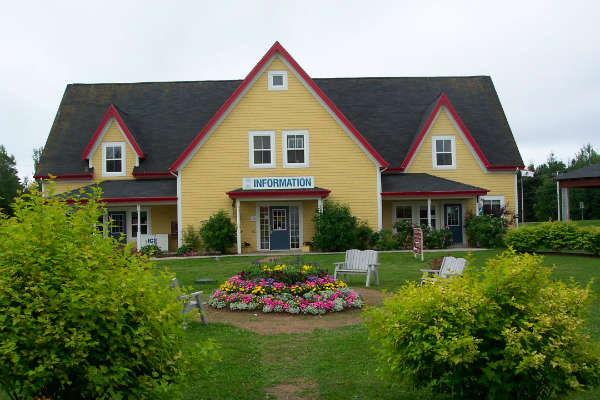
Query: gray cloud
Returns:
{"type": "Point", "coordinates": [542, 56]}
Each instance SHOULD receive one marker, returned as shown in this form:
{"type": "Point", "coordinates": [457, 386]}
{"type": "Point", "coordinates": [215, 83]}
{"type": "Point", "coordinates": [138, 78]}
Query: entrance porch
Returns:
{"type": "Point", "coordinates": [275, 220]}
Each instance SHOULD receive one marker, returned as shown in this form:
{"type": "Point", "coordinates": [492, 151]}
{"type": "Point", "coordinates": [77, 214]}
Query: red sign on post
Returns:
{"type": "Point", "coordinates": [418, 242]}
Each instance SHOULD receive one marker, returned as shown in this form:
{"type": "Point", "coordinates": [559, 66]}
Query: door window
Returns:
{"type": "Point", "coordinates": [452, 215]}
{"type": "Point", "coordinates": [279, 222]}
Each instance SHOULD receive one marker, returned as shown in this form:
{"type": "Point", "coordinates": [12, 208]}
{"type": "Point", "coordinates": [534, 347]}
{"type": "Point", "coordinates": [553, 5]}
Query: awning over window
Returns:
{"type": "Point", "coordinates": [425, 185]}
{"type": "Point", "coordinates": [278, 193]}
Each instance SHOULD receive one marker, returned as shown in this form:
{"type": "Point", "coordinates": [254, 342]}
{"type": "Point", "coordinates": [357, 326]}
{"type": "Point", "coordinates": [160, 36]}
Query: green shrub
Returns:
{"type": "Point", "coordinates": [386, 240]}
{"type": "Point", "coordinates": [364, 235]}
{"type": "Point", "coordinates": [436, 239]}
{"type": "Point", "coordinates": [191, 238]}
{"type": "Point", "coordinates": [79, 318]}
{"type": "Point", "coordinates": [218, 233]}
{"type": "Point", "coordinates": [404, 234]}
{"type": "Point", "coordinates": [486, 230]}
{"type": "Point", "coordinates": [506, 332]}
{"type": "Point", "coordinates": [432, 238]}
{"type": "Point", "coordinates": [151, 250]}
{"type": "Point", "coordinates": [336, 229]}
{"type": "Point", "coordinates": [184, 250]}
{"type": "Point", "coordinates": [554, 236]}
{"type": "Point", "coordinates": [589, 239]}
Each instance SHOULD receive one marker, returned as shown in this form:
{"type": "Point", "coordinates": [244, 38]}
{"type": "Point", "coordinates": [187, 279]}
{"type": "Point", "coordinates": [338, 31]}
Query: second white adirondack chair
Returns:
{"type": "Point", "coordinates": [358, 262]}
{"type": "Point", "coordinates": [190, 301]}
{"type": "Point", "coordinates": [451, 266]}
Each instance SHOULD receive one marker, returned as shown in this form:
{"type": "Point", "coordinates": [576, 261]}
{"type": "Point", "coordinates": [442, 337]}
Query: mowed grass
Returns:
{"type": "Point", "coordinates": [326, 364]}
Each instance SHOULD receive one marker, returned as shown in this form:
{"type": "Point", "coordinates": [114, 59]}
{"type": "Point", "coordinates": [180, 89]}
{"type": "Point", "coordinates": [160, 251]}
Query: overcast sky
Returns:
{"type": "Point", "coordinates": [543, 57]}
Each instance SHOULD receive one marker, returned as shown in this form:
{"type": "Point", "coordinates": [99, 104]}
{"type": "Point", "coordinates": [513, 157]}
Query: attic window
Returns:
{"type": "Point", "coordinates": [113, 159]}
{"type": "Point", "coordinates": [444, 152]}
{"type": "Point", "coordinates": [278, 80]}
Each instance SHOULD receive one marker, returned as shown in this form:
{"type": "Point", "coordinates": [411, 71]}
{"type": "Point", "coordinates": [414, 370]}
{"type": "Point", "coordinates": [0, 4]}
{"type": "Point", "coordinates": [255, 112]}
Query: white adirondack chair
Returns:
{"type": "Point", "coordinates": [451, 266]}
{"type": "Point", "coordinates": [358, 262]}
{"type": "Point", "coordinates": [190, 301]}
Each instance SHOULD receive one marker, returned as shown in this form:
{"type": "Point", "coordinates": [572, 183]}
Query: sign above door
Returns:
{"type": "Point", "coordinates": [280, 182]}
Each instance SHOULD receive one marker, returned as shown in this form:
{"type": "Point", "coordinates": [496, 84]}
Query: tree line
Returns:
{"type": "Point", "coordinates": [539, 192]}
{"type": "Point", "coordinates": [10, 183]}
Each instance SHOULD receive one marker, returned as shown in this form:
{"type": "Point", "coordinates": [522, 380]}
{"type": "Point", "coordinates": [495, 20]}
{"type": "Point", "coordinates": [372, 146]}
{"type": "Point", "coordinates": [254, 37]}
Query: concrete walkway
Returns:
{"type": "Point", "coordinates": [299, 253]}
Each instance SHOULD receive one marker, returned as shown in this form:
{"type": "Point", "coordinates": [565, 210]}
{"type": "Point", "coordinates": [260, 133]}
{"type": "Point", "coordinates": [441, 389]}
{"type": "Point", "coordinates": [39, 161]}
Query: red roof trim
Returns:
{"type": "Point", "coordinates": [129, 200]}
{"type": "Point", "coordinates": [443, 101]}
{"type": "Point", "coordinates": [278, 193]}
{"type": "Point", "coordinates": [436, 194]}
{"type": "Point", "coordinates": [153, 175]}
{"type": "Point", "coordinates": [505, 167]}
{"type": "Point", "coordinates": [112, 112]}
{"type": "Point", "coordinates": [66, 176]}
{"type": "Point", "coordinates": [276, 48]}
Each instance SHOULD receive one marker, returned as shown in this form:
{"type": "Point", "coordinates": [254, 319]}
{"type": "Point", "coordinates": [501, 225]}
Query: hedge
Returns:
{"type": "Point", "coordinates": [555, 236]}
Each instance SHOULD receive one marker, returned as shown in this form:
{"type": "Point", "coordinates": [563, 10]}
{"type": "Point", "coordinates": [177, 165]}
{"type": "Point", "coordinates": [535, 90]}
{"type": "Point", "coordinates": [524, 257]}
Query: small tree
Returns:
{"type": "Point", "coordinates": [507, 332]}
{"type": "Point", "coordinates": [81, 318]}
{"type": "Point", "coordinates": [336, 229]}
{"type": "Point", "coordinates": [191, 238]}
{"type": "Point", "coordinates": [218, 233]}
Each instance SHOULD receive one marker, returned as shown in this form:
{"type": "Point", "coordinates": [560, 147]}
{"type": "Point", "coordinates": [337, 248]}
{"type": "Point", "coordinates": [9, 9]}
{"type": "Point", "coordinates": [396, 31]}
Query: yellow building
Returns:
{"type": "Point", "coordinates": [270, 148]}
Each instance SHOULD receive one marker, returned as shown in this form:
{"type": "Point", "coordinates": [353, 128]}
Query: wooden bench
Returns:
{"type": "Point", "coordinates": [451, 266]}
{"type": "Point", "coordinates": [190, 301]}
{"type": "Point", "coordinates": [358, 262]}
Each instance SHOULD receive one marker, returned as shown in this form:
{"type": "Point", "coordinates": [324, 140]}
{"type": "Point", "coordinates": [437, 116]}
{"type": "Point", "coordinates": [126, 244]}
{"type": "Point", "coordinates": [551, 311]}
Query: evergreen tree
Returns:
{"type": "Point", "coordinates": [9, 181]}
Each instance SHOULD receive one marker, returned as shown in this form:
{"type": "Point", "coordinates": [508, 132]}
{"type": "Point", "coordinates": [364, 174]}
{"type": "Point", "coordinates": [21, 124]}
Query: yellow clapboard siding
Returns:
{"type": "Point", "coordinates": [113, 134]}
{"type": "Point", "coordinates": [162, 216]}
{"type": "Point", "coordinates": [467, 170]}
{"type": "Point", "coordinates": [336, 161]}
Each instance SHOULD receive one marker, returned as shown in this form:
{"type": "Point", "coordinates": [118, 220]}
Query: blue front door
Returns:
{"type": "Point", "coordinates": [280, 227]}
{"type": "Point", "coordinates": [117, 227]}
{"type": "Point", "coordinates": [453, 220]}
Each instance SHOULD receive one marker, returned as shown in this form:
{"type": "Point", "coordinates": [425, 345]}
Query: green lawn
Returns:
{"type": "Point", "coordinates": [327, 364]}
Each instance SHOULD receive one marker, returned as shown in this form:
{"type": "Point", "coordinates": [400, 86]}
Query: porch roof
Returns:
{"type": "Point", "coordinates": [134, 190]}
{"type": "Point", "coordinates": [266, 193]}
{"type": "Point", "coordinates": [425, 185]}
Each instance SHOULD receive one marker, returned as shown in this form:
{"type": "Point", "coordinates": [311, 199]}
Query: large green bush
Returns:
{"type": "Point", "coordinates": [81, 318]}
{"type": "Point", "coordinates": [336, 229]}
{"type": "Point", "coordinates": [554, 236]}
{"type": "Point", "coordinates": [486, 230]}
{"type": "Point", "coordinates": [218, 232]}
{"type": "Point", "coordinates": [504, 333]}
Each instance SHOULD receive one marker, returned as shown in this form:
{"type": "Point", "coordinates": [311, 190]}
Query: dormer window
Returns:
{"type": "Point", "coordinates": [113, 159]}
{"type": "Point", "coordinates": [444, 152]}
{"type": "Point", "coordinates": [278, 80]}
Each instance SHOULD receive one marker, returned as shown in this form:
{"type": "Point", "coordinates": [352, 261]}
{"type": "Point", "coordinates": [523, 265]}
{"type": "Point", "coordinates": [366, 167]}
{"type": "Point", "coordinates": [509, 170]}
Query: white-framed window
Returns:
{"type": "Point", "coordinates": [444, 152]}
{"type": "Point", "coordinates": [278, 80]}
{"type": "Point", "coordinates": [295, 149]}
{"type": "Point", "coordinates": [423, 216]}
{"type": "Point", "coordinates": [113, 159]}
{"type": "Point", "coordinates": [403, 213]}
{"type": "Point", "coordinates": [261, 147]}
{"type": "Point", "coordinates": [492, 205]}
{"type": "Point", "coordinates": [143, 223]}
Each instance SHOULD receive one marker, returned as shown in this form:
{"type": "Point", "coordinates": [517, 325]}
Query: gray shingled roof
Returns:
{"type": "Point", "coordinates": [591, 171]}
{"type": "Point", "coordinates": [140, 188]}
{"type": "Point", "coordinates": [422, 183]}
{"type": "Point", "coordinates": [164, 117]}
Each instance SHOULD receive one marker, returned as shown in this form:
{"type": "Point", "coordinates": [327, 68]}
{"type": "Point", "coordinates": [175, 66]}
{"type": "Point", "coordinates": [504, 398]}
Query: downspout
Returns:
{"type": "Point", "coordinates": [517, 199]}
{"type": "Point", "coordinates": [179, 227]}
{"type": "Point", "coordinates": [379, 199]}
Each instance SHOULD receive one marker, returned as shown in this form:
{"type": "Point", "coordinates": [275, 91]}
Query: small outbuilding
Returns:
{"type": "Point", "coordinates": [584, 177]}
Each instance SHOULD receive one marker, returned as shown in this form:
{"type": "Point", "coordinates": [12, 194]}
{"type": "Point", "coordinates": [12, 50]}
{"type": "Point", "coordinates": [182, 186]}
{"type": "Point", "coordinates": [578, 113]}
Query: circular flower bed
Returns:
{"type": "Point", "coordinates": [287, 289]}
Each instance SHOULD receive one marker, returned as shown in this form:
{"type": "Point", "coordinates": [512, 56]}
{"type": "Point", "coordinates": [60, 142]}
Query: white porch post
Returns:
{"type": "Point", "coordinates": [564, 192]}
{"type": "Point", "coordinates": [429, 212]}
{"type": "Point", "coordinates": [558, 200]}
{"type": "Point", "coordinates": [237, 220]}
{"type": "Point", "coordinates": [320, 204]}
{"type": "Point", "coordinates": [139, 233]}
